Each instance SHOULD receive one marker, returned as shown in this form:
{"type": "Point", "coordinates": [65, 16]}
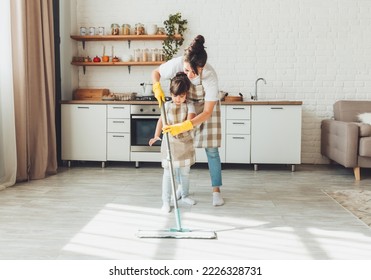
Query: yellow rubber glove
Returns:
{"type": "Point", "coordinates": [159, 93]}
{"type": "Point", "coordinates": [178, 128]}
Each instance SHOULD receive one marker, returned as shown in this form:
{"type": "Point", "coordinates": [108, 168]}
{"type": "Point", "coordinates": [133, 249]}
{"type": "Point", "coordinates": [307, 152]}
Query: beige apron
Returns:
{"type": "Point", "coordinates": [208, 134]}
{"type": "Point", "coordinates": [181, 145]}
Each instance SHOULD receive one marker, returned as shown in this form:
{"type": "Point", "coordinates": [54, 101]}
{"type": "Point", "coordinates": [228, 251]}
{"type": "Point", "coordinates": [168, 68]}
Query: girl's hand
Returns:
{"type": "Point", "coordinates": [153, 140]}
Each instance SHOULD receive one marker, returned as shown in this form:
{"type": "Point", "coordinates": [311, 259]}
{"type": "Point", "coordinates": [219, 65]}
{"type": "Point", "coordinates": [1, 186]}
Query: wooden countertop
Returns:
{"type": "Point", "coordinates": [259, 102]}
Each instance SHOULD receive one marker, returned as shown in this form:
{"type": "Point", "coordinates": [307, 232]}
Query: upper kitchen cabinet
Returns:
{"type": "Point", "coordinates": [276, 134]}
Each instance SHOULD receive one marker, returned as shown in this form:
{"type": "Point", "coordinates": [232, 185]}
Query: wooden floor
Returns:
{"type": "Point", "coordinates": [89, 212]}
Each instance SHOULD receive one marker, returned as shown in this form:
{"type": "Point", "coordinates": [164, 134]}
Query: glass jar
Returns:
{"type": "Point", "coordinates": [115, 29]}
{"type": "Point", "coordinates": [137, 55]}
{"type": "Point", "coordinates": [125, 29]}
{"type": "Point", "coordinates": [145, 55]}
{"type": "Point", "coordinates": [139, 29]}
{"type": "Point", "coordinates": [154, 54]}
{"type": "Point", "coordinates": [160, 55]}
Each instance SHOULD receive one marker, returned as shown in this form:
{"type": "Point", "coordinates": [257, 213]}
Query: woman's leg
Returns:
{"type": "Point", "coordinates": [215, 169]}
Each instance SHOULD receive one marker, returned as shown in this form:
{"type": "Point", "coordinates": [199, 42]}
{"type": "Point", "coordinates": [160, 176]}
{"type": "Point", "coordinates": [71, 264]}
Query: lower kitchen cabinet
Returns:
{"type": "Point", "coordinates": [118, 132]}
{"type": "Point", "coordinates": [276, 134]}
{"type": "Point", "coordinates": [237, 134]}
{"type": "Point", "coordinates": [83, 132]}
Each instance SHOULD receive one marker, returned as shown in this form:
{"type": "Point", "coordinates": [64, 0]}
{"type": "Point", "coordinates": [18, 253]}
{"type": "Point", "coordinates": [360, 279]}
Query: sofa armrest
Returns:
{"type": "Point", "coordinates": [339, 142]}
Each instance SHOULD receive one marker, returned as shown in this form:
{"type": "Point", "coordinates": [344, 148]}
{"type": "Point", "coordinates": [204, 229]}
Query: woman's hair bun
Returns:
{"type": "Point", "coordinates": [197, 44]}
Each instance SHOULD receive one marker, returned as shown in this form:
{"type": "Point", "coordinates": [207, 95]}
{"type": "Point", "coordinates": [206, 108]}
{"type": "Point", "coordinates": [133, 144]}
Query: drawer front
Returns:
{"type": "Point", "coordinates": [118, 125]}
{"type": "Point", "coordinates": [238, 112]}
{"type": "Point", "coordinates": [238, 126]}
{"type": "Point", "coordinates": [118, 111]}
{"type": "Point", "coordinates": [238, 149]}
{"type": "Point", "coordinates": [118, 146]}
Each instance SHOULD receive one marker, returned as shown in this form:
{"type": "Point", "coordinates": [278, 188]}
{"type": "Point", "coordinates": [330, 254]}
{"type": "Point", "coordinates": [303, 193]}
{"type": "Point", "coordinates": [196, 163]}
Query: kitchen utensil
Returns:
{"type": "Point", "coordinates": [147, 89]}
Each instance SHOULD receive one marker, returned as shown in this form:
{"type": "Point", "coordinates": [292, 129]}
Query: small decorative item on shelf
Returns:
{"type": "Point", "coordinates": [175, 25]}
{"type": "Point", "coordinates": [87, 59]}
{"type": "Point", "coordinates": [96, 59]}
{"type": "Point", "coordinates": [115, 59]}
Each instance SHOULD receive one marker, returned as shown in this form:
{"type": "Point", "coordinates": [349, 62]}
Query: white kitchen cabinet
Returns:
{"type": "Point", "coordinates": [83, 132]}
{"type": "Point", "coordinates": [118, 132]}
{"type": "Point", "coordinates": [200, 152]}
{"type": "Point", "coordinates": [237, 134]}
{"type": "Point", "coordinates": [276, 134]}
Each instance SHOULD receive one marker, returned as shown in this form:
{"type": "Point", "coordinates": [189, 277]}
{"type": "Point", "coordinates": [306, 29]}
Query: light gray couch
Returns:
{"type": "Point", "coordinates": [344, 139]}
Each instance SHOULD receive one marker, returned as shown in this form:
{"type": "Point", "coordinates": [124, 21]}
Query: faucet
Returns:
{"type": "Point", "coordinates": [255, 97]}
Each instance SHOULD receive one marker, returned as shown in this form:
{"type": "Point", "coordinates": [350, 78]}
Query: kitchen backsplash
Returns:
{"type": "Point", "coordinates": [314, 51]}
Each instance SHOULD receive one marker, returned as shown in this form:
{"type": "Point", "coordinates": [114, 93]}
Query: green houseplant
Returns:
{"type": "Point", "coordinates": [174, 25]}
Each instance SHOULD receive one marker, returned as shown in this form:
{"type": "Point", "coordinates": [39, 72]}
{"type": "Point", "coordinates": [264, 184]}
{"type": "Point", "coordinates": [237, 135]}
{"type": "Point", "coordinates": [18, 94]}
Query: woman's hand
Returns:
{"type": "Point", "coordinates": [154, 140]}
{"type": "Point", "coordinates": [159, 93]}
{"type": "Point", "coordinates": [178, 128]}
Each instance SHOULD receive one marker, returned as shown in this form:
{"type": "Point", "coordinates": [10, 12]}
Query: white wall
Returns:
{"type": "Point", "coordinates": [310, 50]}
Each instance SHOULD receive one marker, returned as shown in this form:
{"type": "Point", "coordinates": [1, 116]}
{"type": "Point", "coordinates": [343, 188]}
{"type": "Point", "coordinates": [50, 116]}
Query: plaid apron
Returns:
{"type": "Point", "coordinates": [181, 145]}
{"type": "Point", "coordinates": [208, 134]}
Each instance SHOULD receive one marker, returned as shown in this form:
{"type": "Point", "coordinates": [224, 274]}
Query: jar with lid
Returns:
{"type": "Point", "coordinates": [145, 55]}
{"type": "Point", "coordinates": [160, 55]}
{"type": "Point", "coordinates": [139, 29]}
{"type": "Point", "coordinates": [154, 54]}
{"type": "Point", "coordinates": [137, 55]}
{"type": "Point", "coordinates": [125, 29]}
{"type": "Point", "coordinates": [115, 29]}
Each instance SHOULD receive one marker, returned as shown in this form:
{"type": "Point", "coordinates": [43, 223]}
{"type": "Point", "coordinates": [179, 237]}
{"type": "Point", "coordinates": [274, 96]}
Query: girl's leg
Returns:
{"type": "Point", "coordinates": [215, 169]}
{"type": "Point", "coordinates": [184, 179]}
{"type": "Point", "coordinates": [166, 190]}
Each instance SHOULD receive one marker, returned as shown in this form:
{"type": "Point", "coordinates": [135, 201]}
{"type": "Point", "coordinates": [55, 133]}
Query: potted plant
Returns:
{"type": "Point", "coordinates": [175, 25]}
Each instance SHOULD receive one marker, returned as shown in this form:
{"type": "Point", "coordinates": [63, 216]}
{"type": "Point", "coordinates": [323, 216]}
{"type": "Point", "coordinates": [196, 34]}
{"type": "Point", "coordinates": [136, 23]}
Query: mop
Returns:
{"type": "Point", "coordinates": [179, 231]}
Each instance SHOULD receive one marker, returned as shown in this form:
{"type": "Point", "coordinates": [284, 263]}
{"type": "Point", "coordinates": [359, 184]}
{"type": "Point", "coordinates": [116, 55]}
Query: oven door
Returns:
{"type": "Point", "coordinates": [143, 128]}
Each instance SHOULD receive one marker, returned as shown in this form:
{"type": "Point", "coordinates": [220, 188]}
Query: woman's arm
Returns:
{"type": "Point", "coordinates": [156, 75]}
{"type": "Point", "coordinates": [206, 113]}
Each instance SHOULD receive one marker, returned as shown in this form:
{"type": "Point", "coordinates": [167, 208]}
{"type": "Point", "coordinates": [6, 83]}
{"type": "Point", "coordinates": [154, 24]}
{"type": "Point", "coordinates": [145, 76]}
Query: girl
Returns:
{"type": "Point", "coordinates": [181, 145]}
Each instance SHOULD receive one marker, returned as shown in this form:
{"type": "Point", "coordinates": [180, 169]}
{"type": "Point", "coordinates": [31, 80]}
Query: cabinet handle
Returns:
{"type": "Point", "coordinates": [277, 108]}
{"type": "Point", "coordinates": [83, 107]}
{"type": "Point", "coordinates": [238, 123]}
{"type": "Point", "coordinates": [118, 107]}
{"type": "Point", "coordinates": [238, 108]}
{"type": "Point", "coordinates": [122, 136]}
{"type": "Point", "coordinates": [118, 121]}
{"type": "Point", "coordinates": [236, 137]}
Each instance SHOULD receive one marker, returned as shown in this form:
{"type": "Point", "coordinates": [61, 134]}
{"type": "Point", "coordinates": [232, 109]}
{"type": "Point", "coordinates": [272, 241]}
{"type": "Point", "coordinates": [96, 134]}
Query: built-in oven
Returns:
{"type": "Point", "coordinates": [143, 121]}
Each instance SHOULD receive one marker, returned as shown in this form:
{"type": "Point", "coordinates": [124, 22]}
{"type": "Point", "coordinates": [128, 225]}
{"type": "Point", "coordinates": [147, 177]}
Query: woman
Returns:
{"type": "Point", "coordinates": [204, 93]}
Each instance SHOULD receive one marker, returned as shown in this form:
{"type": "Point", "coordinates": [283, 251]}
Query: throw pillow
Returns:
{"type": "Point", "coordinates": [365, 118]}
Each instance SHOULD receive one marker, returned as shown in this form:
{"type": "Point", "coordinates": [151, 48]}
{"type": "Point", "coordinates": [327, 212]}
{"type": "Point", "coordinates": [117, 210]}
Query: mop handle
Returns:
{"type": "Point", "coordinates": [171, 169]}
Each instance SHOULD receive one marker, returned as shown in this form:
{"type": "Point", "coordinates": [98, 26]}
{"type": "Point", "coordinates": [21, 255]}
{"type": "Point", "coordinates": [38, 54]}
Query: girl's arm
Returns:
{"type": "Point", "coordinates": [158, 131]}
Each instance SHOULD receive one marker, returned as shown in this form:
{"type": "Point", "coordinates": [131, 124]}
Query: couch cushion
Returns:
{"type": "Point", "coordinates": [365, 147]}
{"type": "Point", "coordinates": [348, 110]}
{"type": "Point", "coordinates": [364, 129]}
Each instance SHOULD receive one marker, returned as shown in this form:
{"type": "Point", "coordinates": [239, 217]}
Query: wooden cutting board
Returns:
{"type": "Point", "coordinates": [90, 94]}
{"type": "Point", "coordinates": [232, 98]}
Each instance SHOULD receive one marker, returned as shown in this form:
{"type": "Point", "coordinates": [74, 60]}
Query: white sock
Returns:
{"type": "Point", "coordinates": [166, 207]}
{"type": "Point", "coordinates": [188, 200]}
{"type": "Point", "coordinates": [217, 199]}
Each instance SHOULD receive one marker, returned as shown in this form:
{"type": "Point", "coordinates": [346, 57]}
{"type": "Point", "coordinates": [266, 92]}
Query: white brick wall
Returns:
{"type": "Point", "coordinates": [310, 50]}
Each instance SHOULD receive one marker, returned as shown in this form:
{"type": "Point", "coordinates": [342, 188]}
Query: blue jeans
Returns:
{"type": "Point", "coordinates": [215, 166]}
